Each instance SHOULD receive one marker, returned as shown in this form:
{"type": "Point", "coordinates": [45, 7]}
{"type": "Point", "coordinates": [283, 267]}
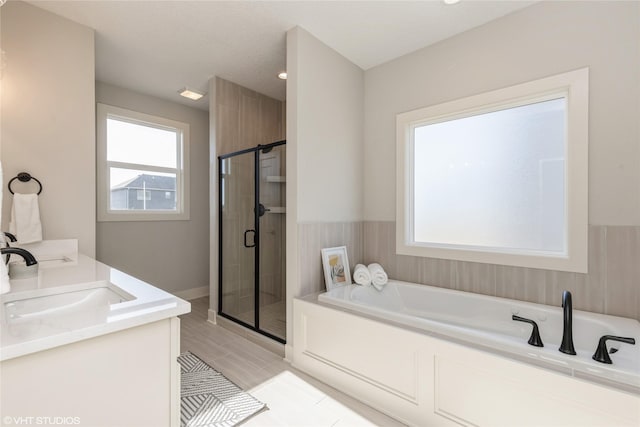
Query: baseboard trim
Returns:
{"type": "Point", "coordinates": [193, 293]}
{"type": "Point", "coordinates": [212, 317]}
{"type": "Point", "coordinates": [288, 353]}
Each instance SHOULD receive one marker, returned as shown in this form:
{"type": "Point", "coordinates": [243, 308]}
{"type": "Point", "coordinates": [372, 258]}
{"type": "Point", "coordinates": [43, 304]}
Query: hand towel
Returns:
{"type": "Point", "coordinates": [25, 218]}
{"type": "Point", "coordinates": [361, 275]}
{"type": "Point", "coordinates": [5, 285]}
{"type": "Point", "coordinates": [378, 276]}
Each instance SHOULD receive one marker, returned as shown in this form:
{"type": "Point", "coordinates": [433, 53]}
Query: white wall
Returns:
{"type": "Point", "coordinates": [213, 204]}
{"type": "Point", "coordinates": [172, 255]}
{"type": "Point", "coordinates": [329, 133]}
{"type": "Point", "coordinates": [325, 94]}
{"type": "Point", "coordinates": [544, 39]}
{"type": "Point", "coordinates": [293, 284]}
{"type": "Point", "coordinates": [48, 118]}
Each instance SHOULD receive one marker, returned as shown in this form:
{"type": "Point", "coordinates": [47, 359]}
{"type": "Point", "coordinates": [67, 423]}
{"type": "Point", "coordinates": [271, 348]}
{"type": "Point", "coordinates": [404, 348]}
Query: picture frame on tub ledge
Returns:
{"type": "Point", "coordinates": [335, 264]}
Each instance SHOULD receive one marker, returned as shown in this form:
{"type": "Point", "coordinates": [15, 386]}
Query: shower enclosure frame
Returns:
{"type": "Point", "coordinates": [256, 238]}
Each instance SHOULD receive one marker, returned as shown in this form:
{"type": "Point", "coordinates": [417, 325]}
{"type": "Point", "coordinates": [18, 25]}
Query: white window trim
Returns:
{"type": "Point", "coordinates": [576, 85]}
{"type": "Point", "coordinates": [104, 111]}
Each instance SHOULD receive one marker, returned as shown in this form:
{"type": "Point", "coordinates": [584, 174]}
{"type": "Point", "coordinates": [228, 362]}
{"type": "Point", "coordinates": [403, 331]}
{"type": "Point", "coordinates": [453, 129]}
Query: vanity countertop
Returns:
{"type": "Point", "coordinates": [77, 300]}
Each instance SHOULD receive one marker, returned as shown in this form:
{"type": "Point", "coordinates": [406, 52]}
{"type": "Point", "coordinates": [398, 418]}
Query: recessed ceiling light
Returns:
{"type": "Point", "coordinates": [283, 75]}
{"type": "Point", "coordinates": [451, 1]}
{"type": "Point", "coordinates": [190, 93]}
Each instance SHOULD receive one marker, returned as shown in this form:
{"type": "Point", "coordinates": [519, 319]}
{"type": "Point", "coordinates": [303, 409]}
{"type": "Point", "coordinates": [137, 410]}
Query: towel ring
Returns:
{"type": "Point", "coordinates": [24, 177]}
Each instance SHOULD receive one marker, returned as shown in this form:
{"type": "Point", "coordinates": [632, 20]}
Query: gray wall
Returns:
{"type": "Point", "coordinates": [541, 40]}
{"type": "Point", "coordinates": [172, 255]}
{"type": "Point", "coordinates": [544, 39]}
{"type": "Point", "coordinates": [48, 119]}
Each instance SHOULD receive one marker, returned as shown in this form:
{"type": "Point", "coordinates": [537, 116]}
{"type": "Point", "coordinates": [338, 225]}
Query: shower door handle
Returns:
{"type": "Point", "coordinates": [246, 245]}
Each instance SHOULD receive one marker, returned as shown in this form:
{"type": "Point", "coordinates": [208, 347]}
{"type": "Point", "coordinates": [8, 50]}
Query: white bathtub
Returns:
{"type": "Point", "coordinates": [485, 322]}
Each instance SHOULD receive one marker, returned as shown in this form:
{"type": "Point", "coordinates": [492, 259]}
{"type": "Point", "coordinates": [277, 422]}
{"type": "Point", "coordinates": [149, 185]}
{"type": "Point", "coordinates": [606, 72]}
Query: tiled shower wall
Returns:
{"type": "Point", "coordinates": [612, 285]}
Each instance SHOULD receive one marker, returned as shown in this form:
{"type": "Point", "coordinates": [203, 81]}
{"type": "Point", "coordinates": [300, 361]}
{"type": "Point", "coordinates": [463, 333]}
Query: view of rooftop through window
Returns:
{"type": "Point", "coordinates": [139, 156]}
{"type": "Point", "coordinates": [142, 165]}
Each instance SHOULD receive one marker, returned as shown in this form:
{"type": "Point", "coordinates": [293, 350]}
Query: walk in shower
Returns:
{"type": "Point", "coordinates": [252, 238]}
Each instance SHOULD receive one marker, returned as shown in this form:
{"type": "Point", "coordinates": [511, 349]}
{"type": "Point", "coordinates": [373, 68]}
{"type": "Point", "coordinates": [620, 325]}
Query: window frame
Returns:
{"type": "Point", "coordinates": [575, 84]}
{"type": "Point", "coordinates": [182, 171]}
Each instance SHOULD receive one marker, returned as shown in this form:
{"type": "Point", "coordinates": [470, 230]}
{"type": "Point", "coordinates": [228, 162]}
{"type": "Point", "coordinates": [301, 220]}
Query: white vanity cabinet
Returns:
{"type": "Point", "coordinates": [126, 378]}
{"type": "Point", "coordinates": [86, 344]}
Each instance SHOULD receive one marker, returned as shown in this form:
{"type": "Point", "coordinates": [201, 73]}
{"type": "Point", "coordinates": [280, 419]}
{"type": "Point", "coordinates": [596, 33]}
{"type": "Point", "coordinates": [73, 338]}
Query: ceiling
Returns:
{"type": "Point", "coordinates": [158, 47]}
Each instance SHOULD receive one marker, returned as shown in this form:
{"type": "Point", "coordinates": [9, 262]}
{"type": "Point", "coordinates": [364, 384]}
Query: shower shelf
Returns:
{"type": "Point", "coordinates": [276, 178]}
{"type": "Point", "coordinates": [277, 210]}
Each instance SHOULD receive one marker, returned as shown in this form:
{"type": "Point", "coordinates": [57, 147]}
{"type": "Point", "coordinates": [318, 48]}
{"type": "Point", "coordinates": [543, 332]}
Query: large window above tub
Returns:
{"type": "Point", "coordinates": [143, 166]}
{"type": "Point", "coordinates": [499, 177]}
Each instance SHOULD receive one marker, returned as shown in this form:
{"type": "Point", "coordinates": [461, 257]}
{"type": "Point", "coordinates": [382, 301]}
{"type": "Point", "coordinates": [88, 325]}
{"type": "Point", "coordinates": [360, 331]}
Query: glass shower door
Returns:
{"type": "Point", "coordinates": [238, 237]}
{"type": "Point", "coordinates": [252, 239]}
{"type": "Point", "coordinates": [272, 268]}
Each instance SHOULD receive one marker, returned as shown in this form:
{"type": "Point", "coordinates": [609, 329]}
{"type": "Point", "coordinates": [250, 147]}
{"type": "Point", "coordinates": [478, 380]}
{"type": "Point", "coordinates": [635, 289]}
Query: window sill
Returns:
{"type": "Point", "coordinates": [142, 216]}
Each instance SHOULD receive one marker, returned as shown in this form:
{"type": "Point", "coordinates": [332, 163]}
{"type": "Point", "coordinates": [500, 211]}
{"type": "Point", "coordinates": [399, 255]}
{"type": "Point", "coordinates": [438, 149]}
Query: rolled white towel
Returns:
{"type": "Point", "coordinates": [379, 277]}
{"type": "Point", "coordinates": [361, 275]}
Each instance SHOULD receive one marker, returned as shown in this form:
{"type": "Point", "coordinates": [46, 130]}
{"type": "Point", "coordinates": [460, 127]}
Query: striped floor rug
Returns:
{"type": "Point", "coordinates": [208, 399]}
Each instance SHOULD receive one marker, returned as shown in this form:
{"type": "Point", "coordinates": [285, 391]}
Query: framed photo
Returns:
{"type": "Point", "coordinates": [335, 264]}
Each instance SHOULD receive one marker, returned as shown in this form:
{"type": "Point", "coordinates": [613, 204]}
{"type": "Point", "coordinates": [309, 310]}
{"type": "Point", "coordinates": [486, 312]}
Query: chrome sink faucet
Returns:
{"type": "Point", "coordinates": [567, 330]}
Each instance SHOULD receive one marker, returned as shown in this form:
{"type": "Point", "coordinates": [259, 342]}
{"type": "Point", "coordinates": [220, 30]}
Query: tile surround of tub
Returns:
{"type": "Point", "coordinates": [612, 285]}
{"type": "Point", "coordinates": [313, 237]}
{"type": "Point", "coordinates": [623, 271]}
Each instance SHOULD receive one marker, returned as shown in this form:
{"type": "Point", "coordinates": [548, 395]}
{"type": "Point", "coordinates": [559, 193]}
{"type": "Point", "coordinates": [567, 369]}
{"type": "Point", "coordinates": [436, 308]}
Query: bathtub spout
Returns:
{"type": "Point", "coordinates": [567, 332]}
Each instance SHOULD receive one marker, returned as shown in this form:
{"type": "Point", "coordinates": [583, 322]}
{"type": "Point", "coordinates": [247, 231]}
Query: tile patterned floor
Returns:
{"type": "Point", "coordinates": [293, 398]}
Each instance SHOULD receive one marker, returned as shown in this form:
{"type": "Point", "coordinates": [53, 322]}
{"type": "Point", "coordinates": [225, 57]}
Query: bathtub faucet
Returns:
{"type": "Point", "coordinates": [567, 332]}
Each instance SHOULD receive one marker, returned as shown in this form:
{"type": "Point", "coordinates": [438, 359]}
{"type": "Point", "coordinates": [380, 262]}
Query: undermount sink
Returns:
{"type": "Point", "coordinates": [61, 303]}
{"type": "Point", "coordinates": [35, 312]}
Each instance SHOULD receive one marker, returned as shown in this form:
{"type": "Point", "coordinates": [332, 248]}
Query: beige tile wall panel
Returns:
{"type": "Point", "coordinates": [611, 286]}
{"type": "Point", "coordinates": [245, 118]}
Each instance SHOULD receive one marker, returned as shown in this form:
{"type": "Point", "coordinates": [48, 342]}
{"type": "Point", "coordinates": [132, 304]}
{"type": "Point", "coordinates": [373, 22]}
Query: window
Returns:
{"type": "Point", "coordinates": [142, 195]}
{"type": "Point", "coordinates": [143, 166]}
{"type": "Point", "coordinates": [499, 177]}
